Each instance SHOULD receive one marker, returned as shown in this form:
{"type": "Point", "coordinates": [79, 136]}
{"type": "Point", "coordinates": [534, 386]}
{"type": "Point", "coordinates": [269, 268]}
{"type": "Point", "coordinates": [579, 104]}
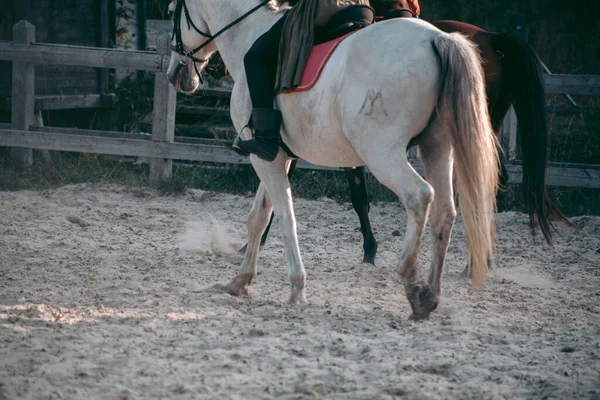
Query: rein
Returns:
{"type": "Point", "coordinates": [178, 46]}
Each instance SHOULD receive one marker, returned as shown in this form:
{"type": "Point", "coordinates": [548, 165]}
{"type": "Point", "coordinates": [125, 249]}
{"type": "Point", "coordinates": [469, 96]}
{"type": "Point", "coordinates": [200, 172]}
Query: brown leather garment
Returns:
{"type": "Point", "coordinates": [298, 37]}
{"type": "Point", "coordinates": [383, 7]}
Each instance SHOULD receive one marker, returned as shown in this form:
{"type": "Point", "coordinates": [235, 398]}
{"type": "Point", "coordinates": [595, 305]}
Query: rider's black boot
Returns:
{"type": "Point", "coordinates": [266, 124]}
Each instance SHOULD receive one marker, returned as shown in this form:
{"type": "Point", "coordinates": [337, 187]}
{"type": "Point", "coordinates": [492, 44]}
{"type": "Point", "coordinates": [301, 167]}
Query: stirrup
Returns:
{"type": "Point", "coordinates": [235, 147]}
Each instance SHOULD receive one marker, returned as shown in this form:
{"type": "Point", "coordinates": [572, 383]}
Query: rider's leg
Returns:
{"type": "Point", "coordinates": [261, 68]}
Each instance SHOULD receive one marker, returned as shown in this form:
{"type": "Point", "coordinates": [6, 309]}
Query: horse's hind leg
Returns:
{"type": "Point", "coordinates": [436, 155]}
{"type": "Point", "coordinates": [416, 195]}
{"type": "Point", "coordinates": [360, 202]}
{"type": "Point", "coordinates": [257, 221]}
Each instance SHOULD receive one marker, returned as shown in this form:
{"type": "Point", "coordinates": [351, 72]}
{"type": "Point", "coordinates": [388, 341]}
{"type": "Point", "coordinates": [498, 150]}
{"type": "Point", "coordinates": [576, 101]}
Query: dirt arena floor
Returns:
{"type": "Point", "coordinates": [106, 293]}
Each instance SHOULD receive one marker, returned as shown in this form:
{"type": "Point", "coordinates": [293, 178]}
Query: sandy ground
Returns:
{"type": "Point", "coordinates": [106, 293]}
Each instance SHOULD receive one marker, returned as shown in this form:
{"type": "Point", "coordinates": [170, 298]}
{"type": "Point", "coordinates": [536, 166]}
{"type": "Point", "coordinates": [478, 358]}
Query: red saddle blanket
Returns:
{"type": "Point", "coordinates": [317, 60]}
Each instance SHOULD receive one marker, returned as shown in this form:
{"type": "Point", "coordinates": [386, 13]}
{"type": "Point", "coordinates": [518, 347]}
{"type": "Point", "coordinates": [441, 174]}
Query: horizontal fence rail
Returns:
{"type": "Point", "coordinates": [572, 84]}
{"type": "Point", "coordinates": [216, 151]}
{"type": "Point", "coordinates": [129, 144]}
{"type": "Point", "coordinates": [161, 147]}
{"type": "Point", "coordinates": [80, 56]}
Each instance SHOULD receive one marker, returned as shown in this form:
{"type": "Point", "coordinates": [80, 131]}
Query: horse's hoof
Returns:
{"type": "Point", "coordinates": [238, 286]}
{"type": "Point", "coordinates": [299, 303]}
{"type": "Point", "coordinates": [423, 302]}
{"type": "Point", "coordinates": [298, 295]}
{"type": "Point", "coordinates": [415, 317]}
{"type": "Point", "coordinates": [467, 274]}
{"type": "Point", "coordinates": [369, 259]}
{"type": "Point", "coordinates": [298, 300]}
{"type": "Point", "coordinates": [233, 290]}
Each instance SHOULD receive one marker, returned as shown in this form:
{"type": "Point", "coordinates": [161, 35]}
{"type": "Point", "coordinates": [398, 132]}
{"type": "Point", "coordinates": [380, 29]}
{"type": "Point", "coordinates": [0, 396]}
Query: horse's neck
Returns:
{"type": "Point", "coordinates": [236, 41]}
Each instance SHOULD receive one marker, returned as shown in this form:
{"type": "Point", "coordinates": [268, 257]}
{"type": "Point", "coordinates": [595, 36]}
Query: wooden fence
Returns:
{"type": "Point", "coordinates": [23, 134]}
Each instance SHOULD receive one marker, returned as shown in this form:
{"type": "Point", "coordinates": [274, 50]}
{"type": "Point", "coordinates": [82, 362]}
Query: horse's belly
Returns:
{"type": "Point", "coordinates": [319, 139]}
{"type": "Point", "coordinates": [327, 154]}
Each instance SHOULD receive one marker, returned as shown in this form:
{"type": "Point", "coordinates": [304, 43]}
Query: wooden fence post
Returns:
{"type": "Point", "coordinates": [163, 118]}
{"type": "Point", "coordinates": [103, 73]}
{"type": "Point", "coordinates": [508, 135]}
{"type": "Point", "coordinates": [23, 93]}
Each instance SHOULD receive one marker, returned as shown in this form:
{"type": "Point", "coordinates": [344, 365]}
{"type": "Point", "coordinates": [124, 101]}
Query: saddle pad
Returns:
{"type": "Point", "coordinates": [319, 56]}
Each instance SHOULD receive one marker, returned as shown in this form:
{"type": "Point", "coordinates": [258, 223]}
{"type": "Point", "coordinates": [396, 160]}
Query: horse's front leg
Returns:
{"type": "Point", "coordinates": [273, 176]}
{"type": "Point", "coordinates": [263, 239]}
{"type": "Point", "coordinates": [360, 202]}
{"type": "Point", "coordinates": [257, 221]}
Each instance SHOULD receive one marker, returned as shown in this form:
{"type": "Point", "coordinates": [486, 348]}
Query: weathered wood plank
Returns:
{"type": "Point", "coordinates": [572, 84]}
{"type": "Point", "coordinates": [72, 101]}
{"type": "Point", "coordinates": [129, 147]}
{"type": "Point", "coordinates": [86, 132]}
{"type": "Point", "coordinates": [122, 147]}
{"type": "Point", "coordinates": [123, 135]}
{"type": "Point", "coordinates": [514, 168]}
{"type": "Point", "coordinates": [218, 93]}
{"type": "Point", "coordinates": [579, 176]}
{"type": "Point", "coordinates": [568, 175]}
{"type": "Point", "coordinates": [163, 116]}
{"type": "Point", "coordinates": [162, 26]}
{"type": "Point", "coordinates": [52, 54]}
{"type": "Point", "coordinates": [23, 92]}
{"type": "Point", "coordinates": [204, 111]}
{"type": "Point", "coordinates": [75, 101]}
{"type": "Point", "coordinates": [220, 132]}
{"type": "Point", "coordinates": [155, 29]}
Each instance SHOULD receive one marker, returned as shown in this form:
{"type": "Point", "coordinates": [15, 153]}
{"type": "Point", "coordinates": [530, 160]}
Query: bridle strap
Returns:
{"type": "Point", "coordinates": [178, 47]}
{"type": "Point", "coordinates": [190, 22]}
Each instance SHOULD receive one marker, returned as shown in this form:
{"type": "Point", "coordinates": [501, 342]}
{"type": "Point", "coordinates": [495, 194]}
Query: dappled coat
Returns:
{"type": "Point", "coordinates": [298, 37]}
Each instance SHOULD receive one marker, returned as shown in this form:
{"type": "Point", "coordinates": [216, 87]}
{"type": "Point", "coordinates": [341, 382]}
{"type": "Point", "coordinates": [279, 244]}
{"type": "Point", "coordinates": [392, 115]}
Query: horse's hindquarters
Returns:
{"type": "Point", "coordinates": [375, 93]}
{"type": "Point", "coordinates": [393, 90]}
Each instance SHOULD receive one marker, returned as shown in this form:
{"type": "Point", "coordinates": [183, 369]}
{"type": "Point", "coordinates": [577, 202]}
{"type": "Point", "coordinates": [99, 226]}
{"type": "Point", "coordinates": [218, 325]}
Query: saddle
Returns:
{"type": "Point", "coordinates": [343, 24]}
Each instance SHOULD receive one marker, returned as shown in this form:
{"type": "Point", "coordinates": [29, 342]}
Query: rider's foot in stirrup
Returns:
{"type": "Point", "coordinates": [235, 147]}
{"type": "Point", "coordinates": [266, 123]}
{"type": "Point", "coordinates": [264, 149]}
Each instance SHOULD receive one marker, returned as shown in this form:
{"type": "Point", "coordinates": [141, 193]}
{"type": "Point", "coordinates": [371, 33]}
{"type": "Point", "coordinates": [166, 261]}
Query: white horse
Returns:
{"type": "Point", "coordinates": [375, 94]}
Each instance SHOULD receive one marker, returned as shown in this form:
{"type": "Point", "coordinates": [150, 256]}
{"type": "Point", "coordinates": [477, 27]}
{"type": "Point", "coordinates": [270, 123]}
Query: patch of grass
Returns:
{"type": "Point", "coordinates": [135, 96]}
{"type": "Point", "coordinates": [68, 168]}
{"type": "Point", "coordinates": [232, 179]}
{"type": "Point", "coordinates": [571, 201]}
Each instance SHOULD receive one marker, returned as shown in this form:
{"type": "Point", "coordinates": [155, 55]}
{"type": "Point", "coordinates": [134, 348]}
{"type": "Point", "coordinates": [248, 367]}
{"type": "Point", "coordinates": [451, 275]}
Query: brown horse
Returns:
{"type": "Point", "coordinates": [513, 77]}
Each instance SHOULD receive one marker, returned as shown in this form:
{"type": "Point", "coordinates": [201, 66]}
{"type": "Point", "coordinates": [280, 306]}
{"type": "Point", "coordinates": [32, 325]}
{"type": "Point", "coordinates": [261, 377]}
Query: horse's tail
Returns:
{"type": "Point", "coordinates": [523, 71]}
{"type": "Point", "coordinates": [462, 108]}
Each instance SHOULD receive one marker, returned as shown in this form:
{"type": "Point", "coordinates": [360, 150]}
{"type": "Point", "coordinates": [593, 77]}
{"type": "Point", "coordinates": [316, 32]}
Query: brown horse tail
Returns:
{"type": "Point", "coordinates": [523, 69]}
{"type": "Point", "coordinates": [462, 109]}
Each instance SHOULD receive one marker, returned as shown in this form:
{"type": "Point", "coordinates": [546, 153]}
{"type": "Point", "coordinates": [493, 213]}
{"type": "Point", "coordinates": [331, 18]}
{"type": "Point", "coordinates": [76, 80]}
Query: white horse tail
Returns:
{"type": "Point", "coordinates": [462, 108]}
